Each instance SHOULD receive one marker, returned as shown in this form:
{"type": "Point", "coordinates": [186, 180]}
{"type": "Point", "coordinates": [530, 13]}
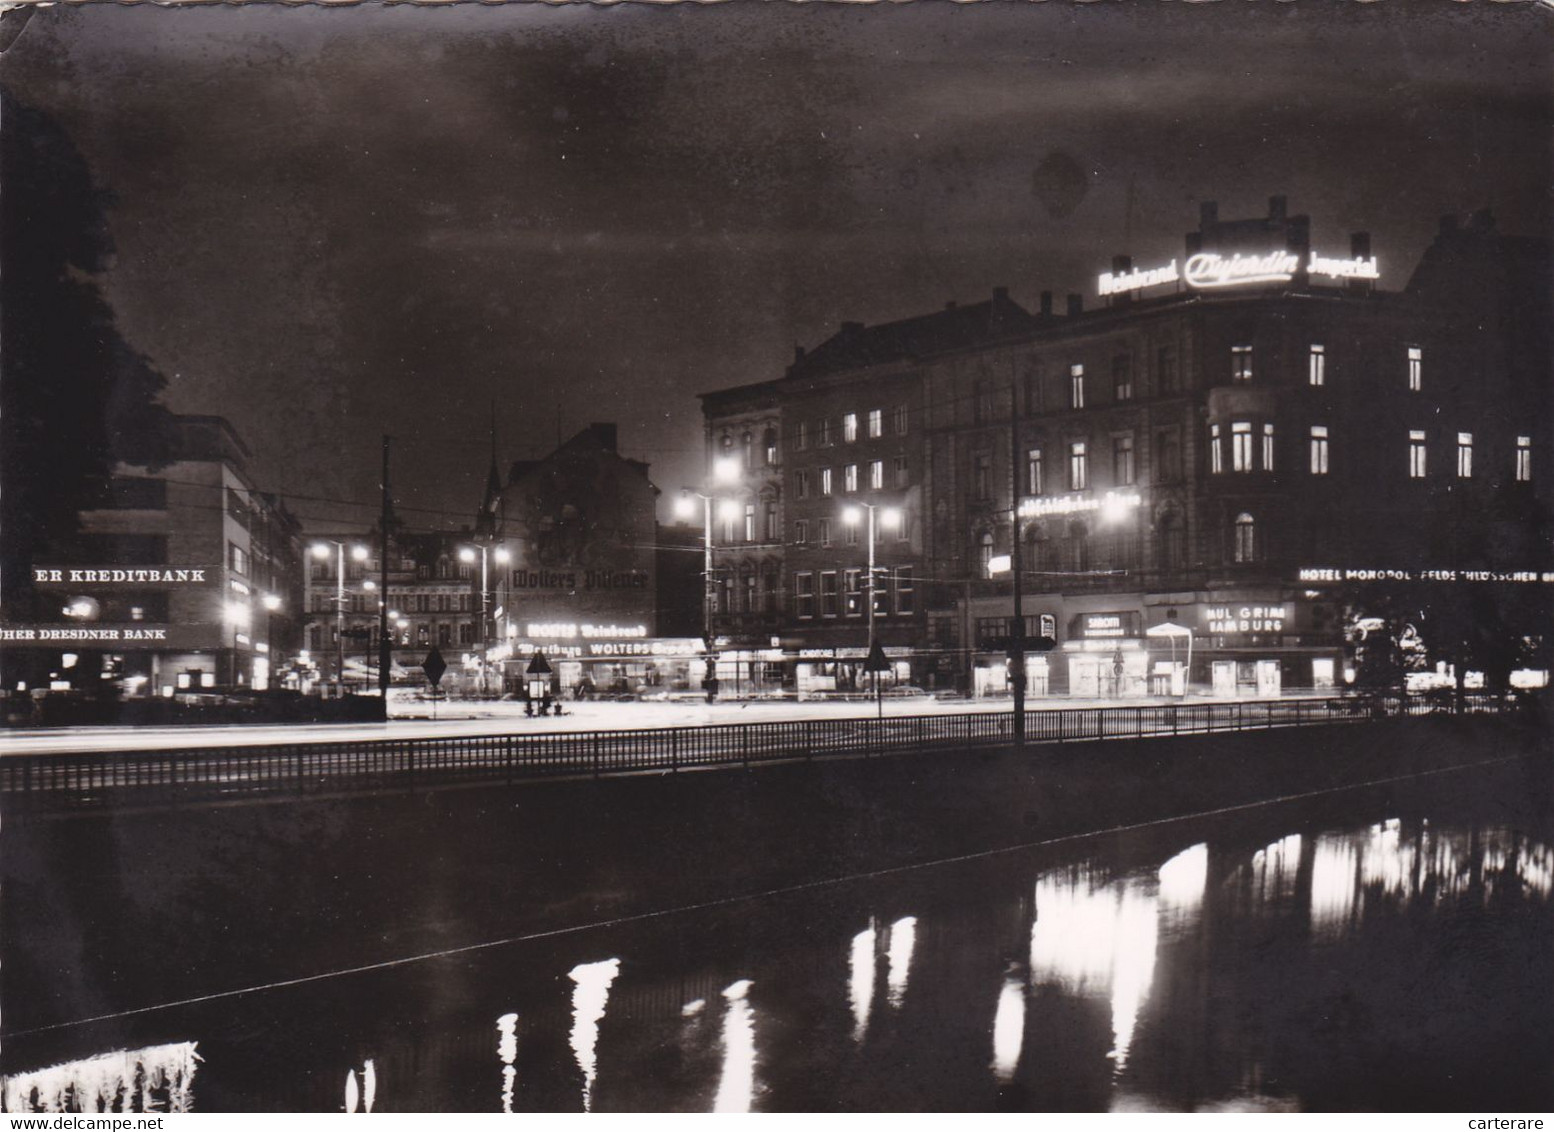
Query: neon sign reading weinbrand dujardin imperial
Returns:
{"type": "Point", "coordinates": [1209, 270]}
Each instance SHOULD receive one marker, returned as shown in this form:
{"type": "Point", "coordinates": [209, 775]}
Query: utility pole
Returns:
{"type": "Point", "coordinates": [1017, 566]}
{"type": "Point", "coordinates": [385, 649]}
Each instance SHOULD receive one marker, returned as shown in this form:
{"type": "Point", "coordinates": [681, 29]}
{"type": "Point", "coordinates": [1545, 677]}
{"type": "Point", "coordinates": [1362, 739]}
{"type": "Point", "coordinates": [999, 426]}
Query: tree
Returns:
{"type": "Point", "coordinates": [74, 396]}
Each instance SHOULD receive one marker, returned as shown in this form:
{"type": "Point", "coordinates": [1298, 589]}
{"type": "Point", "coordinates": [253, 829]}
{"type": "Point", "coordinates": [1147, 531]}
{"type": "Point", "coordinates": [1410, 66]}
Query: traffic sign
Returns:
{"type": "Point", "coordinates": [434, 666]}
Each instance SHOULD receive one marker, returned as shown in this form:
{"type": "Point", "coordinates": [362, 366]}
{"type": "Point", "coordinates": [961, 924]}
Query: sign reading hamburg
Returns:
{"type": "Point", "coordinates": [1208, 270]}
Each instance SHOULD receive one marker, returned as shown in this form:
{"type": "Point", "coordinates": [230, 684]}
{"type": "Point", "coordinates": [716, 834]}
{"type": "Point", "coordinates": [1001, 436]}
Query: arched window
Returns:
{"type": "Point", "coordinates": [769, 442]}
{"type": "Point", "coordinates": [985, 546]}
{"type": "Point", "coordinates": [748, 442]}
{"type": "Point", "coordinates": [1171, 542]}
{"type": "Point", "coordinates": [1246, 538]}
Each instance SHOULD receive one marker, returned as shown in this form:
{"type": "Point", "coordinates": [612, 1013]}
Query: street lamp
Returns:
{"type": "Point", "coordinates": [467, 554]}
{"type": "Point", "coordinates": [272, 602]}
{"type": "Point", "coordinates": [725, 469]}
{"type": "Point", "coordinates": [358, 554]}
{"type": "Point", "coordinates": [890, 519]}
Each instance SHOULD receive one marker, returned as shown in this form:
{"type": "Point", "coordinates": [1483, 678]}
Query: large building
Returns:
{"type": "Point", "coordinates": [184, 579]}
{"type": "Point", "coordinates": [1238, 451]}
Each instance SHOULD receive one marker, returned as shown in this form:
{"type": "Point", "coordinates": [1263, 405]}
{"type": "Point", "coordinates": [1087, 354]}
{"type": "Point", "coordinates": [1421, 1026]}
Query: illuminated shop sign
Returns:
{"type": "Point", "coordinates": [84, 634]}
{"type": "Point", "coordinates": [1247, 618]}
{"type": "Point", "coordinates": [653, 648]}
{"type": "Point", "coordinates": [567, 629]}
{"type": "Point", "coordinates": [1077, 504]}
{"type": "Point", "coordinates": [591, 579]}
{"type": "Point", "coordinates": [120, 576]}
{"type": "Point", "coordinates": [1210, 270]}
{"type": "Point", "coordinates": [1101, 625]}
{"type": "Point", "coordinates": [1365, 574]}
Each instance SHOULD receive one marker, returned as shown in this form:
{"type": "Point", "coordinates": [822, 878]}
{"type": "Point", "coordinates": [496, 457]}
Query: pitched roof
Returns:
{"type": "Point", "coordinates": [955, 327]}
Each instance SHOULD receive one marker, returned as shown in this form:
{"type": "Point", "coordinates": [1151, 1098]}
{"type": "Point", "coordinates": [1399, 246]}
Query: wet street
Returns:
{"type": "Point", "coordinates": [1358, 949]}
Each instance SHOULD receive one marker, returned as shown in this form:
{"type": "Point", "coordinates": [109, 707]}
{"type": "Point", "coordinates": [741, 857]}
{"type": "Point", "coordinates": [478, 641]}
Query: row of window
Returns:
{"type": "Point", "coordinates": [850, 531]}
{"type": "Point", "coordinates": [1072, 548]}
{"type": "Point", "coordinates": [842, 593]}
{"type": "Point", "coordinates": [806, 480]}
{"type": "Point", "coordinates": [872, 422]}
{"type": "Point", "coordinates": [1242, 452]}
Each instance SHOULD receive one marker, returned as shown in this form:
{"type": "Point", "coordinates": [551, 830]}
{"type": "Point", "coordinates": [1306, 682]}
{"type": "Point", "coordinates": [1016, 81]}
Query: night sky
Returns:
{"type": "Point", "coordinates": [337, 223]}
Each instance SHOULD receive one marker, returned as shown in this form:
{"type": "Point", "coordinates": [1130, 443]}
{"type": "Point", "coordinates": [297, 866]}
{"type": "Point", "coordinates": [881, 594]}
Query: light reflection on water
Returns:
{"type": "Point", "coordinates": [1096, 971]}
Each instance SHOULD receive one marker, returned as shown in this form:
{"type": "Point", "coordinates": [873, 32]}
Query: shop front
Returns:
{"type": "Point", "coordinates": [839, 670]}
{"type": "Point", "coordinates": [1243, 645]}
{"type": "Point", "coordinates": [589, 668]}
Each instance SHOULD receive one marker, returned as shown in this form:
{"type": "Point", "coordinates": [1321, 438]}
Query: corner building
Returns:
{"type": "Point", "coordinates": [1220, 457]}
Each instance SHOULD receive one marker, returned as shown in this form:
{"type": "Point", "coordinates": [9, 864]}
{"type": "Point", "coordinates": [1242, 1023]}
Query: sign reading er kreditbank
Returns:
{"type": "Point", "coordinates": [1208, 270]}
{"type": "Point", "coordinates": [120, 575]}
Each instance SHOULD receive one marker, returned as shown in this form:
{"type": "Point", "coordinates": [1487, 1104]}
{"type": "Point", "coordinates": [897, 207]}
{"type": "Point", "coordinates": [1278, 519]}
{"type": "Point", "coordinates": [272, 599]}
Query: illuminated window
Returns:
{"type": "Point", "coordinates": [750, 605]}
{"type": "Point", "coordinates": [1416, 455]}
{"type": "Point", "coordinates": [901, 420]}
{"type": "Point", "coordinates": [849, 428]}
{"type": "Point", "coordinates": [1267, 447]}
{"type": "Point", "coordinates": [748, 441]}
{"type": "Point", "coordinates": [876, 475]}
{"type": "Point", "coordinates": [1033, 477]}
{"type": "Point", "coordinates": [903, 476]}
{"type": "Point", "coordinates": [1319, 450]}
{"type": "Point", "coordinates": [1465, 455]}
{"type": "Point", "coordinates": [1415, 368]}
{"type": "Point", "coordinates": [828, 593]}
{"type": "Point", "coordinates": [852, 593]}
{"type": "Point", "coordinates": [771, 521]}
{"type": "Point", "coordinates": [1076, 387]}
{"type": "Point", "coordinates": [850, 477]}
{"type": "Point", "coordinates": [1122, 460]}
{"type": "Point", "coordinates": [749, 522]}
{"type": "Point", "coordinates": [1246, 538]}
{"type": "Point", "coordinates": [825, 481]}
{"type": "Point", "coordinates": [1241, 446]}
{"type": "Point", "coordinates": [1078, 467]}
{"type": "Point", "coordinates": [876, 423]}
{"type": "Point", "coordinates": [1122, 377]}
{"type": "Point", "coordinates": [239, 558]}
{"type": "Point", "coordinates": [985, 546]}
{"type": "Point", "coordinates": [1523, 459]}
{"type": "Point", "coordinates": [823, 530]}
{"type": "Point", "coordinates": [1241, 363]}
{"type": "Point", "coordinates": [801, 531]}
{"type": "Point", "coordinates": [1216, 453]}
{"type": "Point", "coordinates": [801, 483]}
{"type": "Point", "coordinates": [804, 594]}
{"type": "Point", "coordinates": [1316, 365]}
{"type": "Point", "coordinates": [982, 476]}
{"type": "Point", "coordinates": [769, 443]}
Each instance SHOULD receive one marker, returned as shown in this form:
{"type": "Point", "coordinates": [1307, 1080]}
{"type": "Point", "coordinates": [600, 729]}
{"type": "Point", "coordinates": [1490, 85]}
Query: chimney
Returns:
{"type": "Point", "coordinates": [1046, 302]}
{"type": "Point", "coordinates": [1076, 305]}
{"type": "Point", "coordinates": [1278, 207]}
{"type": "Point", "coordinates": [1208, 213]}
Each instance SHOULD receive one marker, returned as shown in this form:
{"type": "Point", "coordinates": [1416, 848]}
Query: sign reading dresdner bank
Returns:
{"type": "Point", "coordinates": [1209, 270]}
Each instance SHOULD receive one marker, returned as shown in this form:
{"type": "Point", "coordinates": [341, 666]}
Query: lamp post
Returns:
{"type": "Point", "coordinates": [272, 602]}
{"type": "Point", "coordinates": [889, 517]}
{"type": "Point", "coordinates": [725, 469]}
{"type": "Point", "coordinates": [358, 554]}
{"type": "Point", "coordinates": [467, 554]}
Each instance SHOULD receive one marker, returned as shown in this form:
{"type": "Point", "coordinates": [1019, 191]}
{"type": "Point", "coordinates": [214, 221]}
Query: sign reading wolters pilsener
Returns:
{"type": "Point", "coordinates": [1208, 270]}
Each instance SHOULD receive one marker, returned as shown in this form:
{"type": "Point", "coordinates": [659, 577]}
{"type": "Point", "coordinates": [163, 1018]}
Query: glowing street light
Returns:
{"type": "Point", "coordinates": [501, 554]}
{"type": "Point", "coordinates": [889, 518]}
{"type": "Point", "coordinates": [358, 554]}
{"type": "Point", "coordinates": [725, 470]}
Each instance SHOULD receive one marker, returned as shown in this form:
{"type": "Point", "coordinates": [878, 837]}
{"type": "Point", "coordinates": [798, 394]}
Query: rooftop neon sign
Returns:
{"type": "Point", "coordinates": [1210, 271]}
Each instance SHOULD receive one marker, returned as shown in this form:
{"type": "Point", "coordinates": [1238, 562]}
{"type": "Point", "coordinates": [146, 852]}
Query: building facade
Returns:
{"type": "Point", "coordinates": [1232, 454]}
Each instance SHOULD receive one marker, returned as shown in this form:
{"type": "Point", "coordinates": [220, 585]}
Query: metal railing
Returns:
{"type": "Point", "coordinates": [54, 782]}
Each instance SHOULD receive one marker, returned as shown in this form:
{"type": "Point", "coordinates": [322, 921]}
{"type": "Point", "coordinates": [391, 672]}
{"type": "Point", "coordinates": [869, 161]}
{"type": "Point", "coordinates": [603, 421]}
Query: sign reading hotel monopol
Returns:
{"type": "Point", "coordinates": [1209, 270]}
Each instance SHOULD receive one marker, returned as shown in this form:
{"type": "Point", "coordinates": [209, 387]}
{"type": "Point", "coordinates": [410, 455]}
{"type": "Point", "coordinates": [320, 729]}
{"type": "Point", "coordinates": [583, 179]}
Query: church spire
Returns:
{"type": "Point", "coordinates": [489, 522]}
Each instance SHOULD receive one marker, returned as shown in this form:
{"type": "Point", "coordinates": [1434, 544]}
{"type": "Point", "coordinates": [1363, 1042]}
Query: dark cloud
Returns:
{"type": "Point", "coordinates": [335, 223]}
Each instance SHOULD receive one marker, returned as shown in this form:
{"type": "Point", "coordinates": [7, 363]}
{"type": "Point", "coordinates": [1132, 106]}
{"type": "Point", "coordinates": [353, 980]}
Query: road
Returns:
{"type": "Point", "coordinates": [459, 719]}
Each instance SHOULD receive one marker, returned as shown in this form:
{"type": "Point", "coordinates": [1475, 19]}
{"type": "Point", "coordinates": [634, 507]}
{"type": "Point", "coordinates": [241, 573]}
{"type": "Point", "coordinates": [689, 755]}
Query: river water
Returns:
{"type": "Point", "coordinates": [1348, 952]}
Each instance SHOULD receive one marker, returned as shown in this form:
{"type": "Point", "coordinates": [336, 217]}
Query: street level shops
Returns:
{"type": "Point", "coordinates": [1250, 643]}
